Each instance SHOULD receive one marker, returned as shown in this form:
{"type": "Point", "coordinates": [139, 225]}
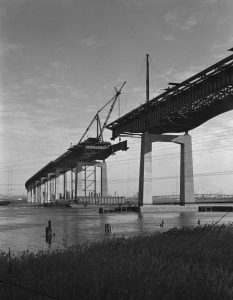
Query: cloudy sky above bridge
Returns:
{"type": "Point", "coordinates": [61, 59]}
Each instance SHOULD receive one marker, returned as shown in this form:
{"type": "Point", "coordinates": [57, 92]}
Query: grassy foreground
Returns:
{"type": "Point", "coordinates": [189, 263]}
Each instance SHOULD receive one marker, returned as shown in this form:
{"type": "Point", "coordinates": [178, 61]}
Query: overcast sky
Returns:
{"type": "Point", "coordinates": [60, 61]}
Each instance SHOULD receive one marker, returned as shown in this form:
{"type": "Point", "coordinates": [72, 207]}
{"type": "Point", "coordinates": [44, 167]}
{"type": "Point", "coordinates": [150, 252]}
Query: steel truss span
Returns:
{"type": "Point", "coordinates": [183, 107]}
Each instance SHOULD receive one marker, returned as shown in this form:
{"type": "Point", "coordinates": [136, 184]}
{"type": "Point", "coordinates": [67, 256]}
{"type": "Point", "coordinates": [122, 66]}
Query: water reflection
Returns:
{"type": "Point", "coordinates": [24, 228]}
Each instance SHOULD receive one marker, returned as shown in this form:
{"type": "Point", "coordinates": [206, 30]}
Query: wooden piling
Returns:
{"type": "Point", "coordinates": [48, 233]}
{"type": "Point", "coordinates": [107, 228]}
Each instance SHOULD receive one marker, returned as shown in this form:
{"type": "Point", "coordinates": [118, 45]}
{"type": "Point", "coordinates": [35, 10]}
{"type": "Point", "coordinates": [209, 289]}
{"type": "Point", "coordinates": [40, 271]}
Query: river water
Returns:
{"type": "Point", "coordinates": [24, 228]}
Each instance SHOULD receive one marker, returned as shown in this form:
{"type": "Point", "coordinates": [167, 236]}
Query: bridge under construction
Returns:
{"type": "Point", "coordinates": [181, 108]}
{"type": "Point", "coordinates": [80, 162]}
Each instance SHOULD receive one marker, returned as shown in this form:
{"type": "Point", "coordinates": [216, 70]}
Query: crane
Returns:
{"type": "Point", "coordinates": [100, 129]}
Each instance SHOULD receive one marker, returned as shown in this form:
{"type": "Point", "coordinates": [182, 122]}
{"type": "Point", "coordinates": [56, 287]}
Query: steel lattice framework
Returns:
{"type": "Point", "coordinates": [184, 106]}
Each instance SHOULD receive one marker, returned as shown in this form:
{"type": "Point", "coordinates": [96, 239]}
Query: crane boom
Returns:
{"type": "Point", "coordinates": [96, 118]}
{"type": "Point", "coordinates": [92, 121]}
{"type": "Point", "coordinates": [118, 92]}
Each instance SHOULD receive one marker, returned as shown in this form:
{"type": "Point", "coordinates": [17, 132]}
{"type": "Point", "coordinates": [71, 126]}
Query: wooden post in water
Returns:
{"type": "Point", "coordinates": [48, 233]}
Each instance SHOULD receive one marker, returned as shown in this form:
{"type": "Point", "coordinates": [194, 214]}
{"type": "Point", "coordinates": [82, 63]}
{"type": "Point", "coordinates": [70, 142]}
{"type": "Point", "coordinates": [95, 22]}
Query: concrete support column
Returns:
{"type": "Point", "coordinates": [186, 167]}
{"type": "Point", "coordinates": [29, 199]}
{"type": "Point", "coordinates": [186, 171]}
{"type": "Point", "coordinates": [104, 180]}
{"type": "Point", "coordinates": [51, 189]}
{"type": "Point", "coordinates": [57, 184]}
{"type": "Point", "coordinates": [79, 180]}
{"type": "Point", "coordinates": [44, 186]}
{"type": "Point", "coordinates": [75, 182]}
{"type": "Point", "coordinates": [55, 187]}
{"type": "Point", "coordinates": [47, 190]}
{"type": "Point", "coordinates": [72, 184]}
{"type": "Point", "coordinates": [34, 194]}
{"type": "Point", "coordinates": [38, 192]}
{"type": "Point", "coordinates": [145, 173]}
{"type": "Point", "coordinates": [31, 194]}
{"type": "Point", "coordinates": [28, 195]}
{"type": "Point", "coordinates": [64, 185]}
{"type": "Point", "coordinates": [43, 192]}
{"type": "Point", "coordinates": [50, 183]}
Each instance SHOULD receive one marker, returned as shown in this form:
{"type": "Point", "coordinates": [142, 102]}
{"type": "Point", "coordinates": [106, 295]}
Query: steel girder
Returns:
{"type": "Point", "coordinates": [183, 107]}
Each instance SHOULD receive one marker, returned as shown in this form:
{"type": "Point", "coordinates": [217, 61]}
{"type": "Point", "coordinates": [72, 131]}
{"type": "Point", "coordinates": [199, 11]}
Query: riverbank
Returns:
{"type": "Point", "coordinates": [189, 263]}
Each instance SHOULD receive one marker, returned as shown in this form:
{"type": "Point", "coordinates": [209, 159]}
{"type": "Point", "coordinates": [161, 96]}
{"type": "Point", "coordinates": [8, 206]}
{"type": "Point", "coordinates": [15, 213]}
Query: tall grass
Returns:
{"type": "Point", "coordinates": [188, 263]}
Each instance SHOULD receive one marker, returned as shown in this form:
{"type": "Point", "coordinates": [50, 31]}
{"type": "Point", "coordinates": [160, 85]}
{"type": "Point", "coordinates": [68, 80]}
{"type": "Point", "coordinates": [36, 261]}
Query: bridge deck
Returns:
{"type": "Point", "coordinates": [83, 152]}
{"type": "Point", "coordinates": [183, 107]}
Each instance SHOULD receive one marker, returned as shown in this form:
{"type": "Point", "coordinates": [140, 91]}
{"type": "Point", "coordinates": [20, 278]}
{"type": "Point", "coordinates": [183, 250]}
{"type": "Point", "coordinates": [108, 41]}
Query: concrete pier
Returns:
{"type": "Point", "coordinates": [79, 180]}
{"type": "Point", "coordinates": [186, 167]}
{"type": "Point", "coordinates": [38, 192]}
{"type": "Point", "coordinates": [56, 185]}
{"type": "Point", "coordinates": [104, 181]}
{"type": "Point", "coordinates": [145, 175]}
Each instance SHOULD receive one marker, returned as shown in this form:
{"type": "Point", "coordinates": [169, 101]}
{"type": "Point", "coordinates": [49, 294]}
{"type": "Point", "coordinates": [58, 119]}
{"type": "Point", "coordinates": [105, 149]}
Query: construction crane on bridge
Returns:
{"type": "Point", "coordinates": [100, 129]}
{"type": "Point", "coordinates": [88, 152]}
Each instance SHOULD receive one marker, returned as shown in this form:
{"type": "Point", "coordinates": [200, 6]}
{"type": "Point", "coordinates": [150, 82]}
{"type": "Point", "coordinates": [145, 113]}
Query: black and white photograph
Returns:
{"type": "Point", "coordinates": [116, 149]}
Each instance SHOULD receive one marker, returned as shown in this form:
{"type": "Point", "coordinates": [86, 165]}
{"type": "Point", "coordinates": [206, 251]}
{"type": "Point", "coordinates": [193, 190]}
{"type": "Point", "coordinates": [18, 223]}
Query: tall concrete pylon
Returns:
{"type": "Point", "coordinates": [145, 175]}
{"type": "Point", "coordinates": [104, 179]}
{"type": "Point", "coordinates": [186, 167]}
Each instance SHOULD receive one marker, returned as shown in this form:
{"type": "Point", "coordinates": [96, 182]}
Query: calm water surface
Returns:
{"type": "Point", "coordinates": [24, 228]}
